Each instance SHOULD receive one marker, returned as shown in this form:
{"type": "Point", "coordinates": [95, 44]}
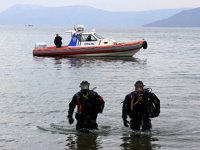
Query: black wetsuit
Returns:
{"type": "Point", "coordinates": [136, 106]}
{"type": "Point", "coordinates": [89, 105]}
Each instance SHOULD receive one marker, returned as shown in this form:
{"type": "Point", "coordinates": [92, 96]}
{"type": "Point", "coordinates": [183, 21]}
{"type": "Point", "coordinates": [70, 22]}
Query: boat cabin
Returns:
{"type": "Point", "coordinates": [81, 38]}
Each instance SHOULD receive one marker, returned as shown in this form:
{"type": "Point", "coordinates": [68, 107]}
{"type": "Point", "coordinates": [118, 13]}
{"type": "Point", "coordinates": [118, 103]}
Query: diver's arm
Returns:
{"type": "Point", "coordinates": [125, 107]}
{"type": "Point", "coordinates": [72, 105]}
{"type": "Point", "coordinates": [125, 110]}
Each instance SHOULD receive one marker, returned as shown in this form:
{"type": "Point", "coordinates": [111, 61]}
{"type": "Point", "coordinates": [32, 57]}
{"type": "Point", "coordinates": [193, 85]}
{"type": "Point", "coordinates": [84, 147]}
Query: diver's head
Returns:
{"type": "Point", "coordinates": [139, 86]}
{"type": "Point", "coordinates": [84, 85]}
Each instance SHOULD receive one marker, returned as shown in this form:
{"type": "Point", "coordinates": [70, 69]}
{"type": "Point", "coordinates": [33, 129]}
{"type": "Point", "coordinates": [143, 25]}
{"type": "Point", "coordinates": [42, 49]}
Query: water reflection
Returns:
{"type": "Point", "coordinates": [79, 62]}
{"type": "Point", "coordinates": [139, 142]}
{"type": "Point", "coordinates": [82, 141]}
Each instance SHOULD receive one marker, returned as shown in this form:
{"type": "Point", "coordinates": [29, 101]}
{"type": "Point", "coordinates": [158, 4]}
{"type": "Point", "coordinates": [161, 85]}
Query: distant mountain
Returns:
{"type": "Point", "coordinates": [72, 15]}
{"type": "Point", "coordinates": [185, 18]}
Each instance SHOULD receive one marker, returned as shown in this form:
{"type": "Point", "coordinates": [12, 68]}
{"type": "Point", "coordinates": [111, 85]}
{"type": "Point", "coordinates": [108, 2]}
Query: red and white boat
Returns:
{"type": "Point", "coordinates": [90, 44]}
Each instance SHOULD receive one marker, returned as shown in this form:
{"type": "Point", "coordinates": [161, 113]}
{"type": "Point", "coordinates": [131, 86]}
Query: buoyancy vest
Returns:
{"type": "Point", "coordinates": [146, 102]}
{"type": "Point", "coordinates": [138, 103]}
{"type": "Point", "coordinates": [79, 104]}
{"type": "Point", "coordinates": [88, 103]}
{"type": "Point", "coordinates": [135, 100]}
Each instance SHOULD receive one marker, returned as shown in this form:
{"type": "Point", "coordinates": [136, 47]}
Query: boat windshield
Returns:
{"type": "Point", "coordinates": [98, 36]}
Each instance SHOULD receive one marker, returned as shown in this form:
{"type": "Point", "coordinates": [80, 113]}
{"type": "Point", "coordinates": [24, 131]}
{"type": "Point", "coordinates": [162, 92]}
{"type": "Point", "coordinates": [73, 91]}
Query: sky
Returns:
{"type": "Point", "coordinates": [111, 5]}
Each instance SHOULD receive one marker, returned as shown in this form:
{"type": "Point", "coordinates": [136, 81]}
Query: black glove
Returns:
{"type": "Point", "coordinates": [71, 120]}
{"type": "Point", "coordinates": [126, 122]}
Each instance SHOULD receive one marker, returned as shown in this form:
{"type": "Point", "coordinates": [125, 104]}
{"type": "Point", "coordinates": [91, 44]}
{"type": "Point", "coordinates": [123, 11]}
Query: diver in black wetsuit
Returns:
{"type": "Point", "coordinates": [89, 104]}
{"type": "Point", "coordinates": [140, 105]}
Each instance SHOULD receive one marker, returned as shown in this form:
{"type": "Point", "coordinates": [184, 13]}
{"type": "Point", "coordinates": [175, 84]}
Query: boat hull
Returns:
{"type": "Point", "coordinates": [127, 49]}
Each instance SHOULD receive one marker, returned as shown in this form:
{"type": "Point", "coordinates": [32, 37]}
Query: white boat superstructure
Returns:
{"type": "Point", "coordinates": [81, 38]}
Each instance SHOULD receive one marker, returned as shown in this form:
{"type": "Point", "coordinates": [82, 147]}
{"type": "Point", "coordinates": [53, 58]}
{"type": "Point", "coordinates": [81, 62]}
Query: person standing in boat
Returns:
{"type": "Point", "coordinates": [58, 41]}
{"type": "Point", "coordinates": [89, 103]}
{"type": "Point", "coordinates": [140, 105]}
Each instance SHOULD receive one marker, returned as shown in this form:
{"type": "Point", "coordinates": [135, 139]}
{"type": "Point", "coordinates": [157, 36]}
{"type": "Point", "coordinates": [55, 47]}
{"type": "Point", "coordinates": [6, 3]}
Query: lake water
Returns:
{"type": "Point", "coordinates": [35, 92]}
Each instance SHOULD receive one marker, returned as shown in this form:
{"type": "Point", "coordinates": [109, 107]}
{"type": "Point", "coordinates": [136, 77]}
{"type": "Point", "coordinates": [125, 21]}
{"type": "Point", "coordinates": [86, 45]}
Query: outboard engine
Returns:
{"type": "Point", "coordinates": [40, 45]}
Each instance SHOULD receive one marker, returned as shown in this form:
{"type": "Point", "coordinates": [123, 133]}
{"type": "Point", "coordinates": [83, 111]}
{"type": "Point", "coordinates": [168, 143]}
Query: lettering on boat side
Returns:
{"type": "Point", "coordinates": [88, 43]}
